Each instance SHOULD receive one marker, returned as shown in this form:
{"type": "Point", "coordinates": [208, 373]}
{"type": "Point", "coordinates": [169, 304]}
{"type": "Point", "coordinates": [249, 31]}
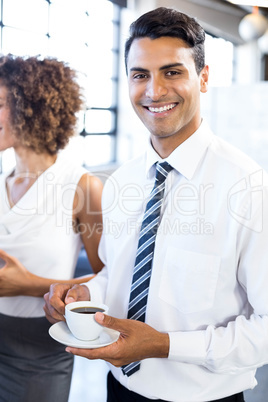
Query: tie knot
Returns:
{"type": "Point", "coordinates": [162, 170]}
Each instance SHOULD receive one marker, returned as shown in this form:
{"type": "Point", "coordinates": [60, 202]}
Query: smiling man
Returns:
{"type": "Point", "coordinates": [164, 91]}
{"type": "Point", "coordinates": [186, 280]}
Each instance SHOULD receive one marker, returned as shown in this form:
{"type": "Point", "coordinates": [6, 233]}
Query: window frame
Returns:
{"type": "Point", "coordinates": [113, 108]}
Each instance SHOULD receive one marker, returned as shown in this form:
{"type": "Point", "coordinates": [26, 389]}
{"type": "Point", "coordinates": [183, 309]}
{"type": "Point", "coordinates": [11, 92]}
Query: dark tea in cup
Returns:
{"type": "Point", "coordinates": [88, 310]}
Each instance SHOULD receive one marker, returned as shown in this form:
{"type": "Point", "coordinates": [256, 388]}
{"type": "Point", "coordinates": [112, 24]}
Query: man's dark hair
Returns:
{"type": "Point", "coordinates": [168, 22]}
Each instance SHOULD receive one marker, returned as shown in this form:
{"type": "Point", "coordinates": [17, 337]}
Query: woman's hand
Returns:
{"type": "Point", "coordinates": [15, 279]}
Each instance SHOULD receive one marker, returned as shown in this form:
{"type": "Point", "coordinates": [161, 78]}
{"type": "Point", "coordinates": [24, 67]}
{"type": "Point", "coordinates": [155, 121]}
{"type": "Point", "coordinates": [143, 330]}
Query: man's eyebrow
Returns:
{"type": "Point", "coordinates": [140, 69]}
{"type": "Point", "coordinates": [171, 66]}
{"type": "Point", "coordinates": [165, 67]}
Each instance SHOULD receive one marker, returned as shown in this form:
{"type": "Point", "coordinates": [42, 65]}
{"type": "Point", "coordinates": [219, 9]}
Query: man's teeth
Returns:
{"type": "Point", "coordinates": [161, 109]}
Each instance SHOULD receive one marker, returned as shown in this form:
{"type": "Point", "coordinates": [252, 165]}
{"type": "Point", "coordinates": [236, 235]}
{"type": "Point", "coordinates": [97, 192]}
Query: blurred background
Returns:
{"type": "Point", "coordinates": [89, 35]}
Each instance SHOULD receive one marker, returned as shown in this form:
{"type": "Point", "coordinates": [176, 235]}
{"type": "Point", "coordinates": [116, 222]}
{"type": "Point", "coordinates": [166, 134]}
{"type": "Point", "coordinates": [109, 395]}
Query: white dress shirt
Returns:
{"type": "Point", "coordinates": [209, 280]}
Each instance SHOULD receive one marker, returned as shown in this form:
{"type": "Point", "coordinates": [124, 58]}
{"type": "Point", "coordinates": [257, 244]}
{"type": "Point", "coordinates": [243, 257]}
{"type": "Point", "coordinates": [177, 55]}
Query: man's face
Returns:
{"type": "Point", "coordinates": [164, 89]}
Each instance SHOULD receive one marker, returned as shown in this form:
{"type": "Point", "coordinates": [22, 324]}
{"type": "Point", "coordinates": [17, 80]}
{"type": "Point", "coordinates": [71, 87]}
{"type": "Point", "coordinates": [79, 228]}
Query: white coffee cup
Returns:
{"type": "Point", "coordinates": [80, 318]}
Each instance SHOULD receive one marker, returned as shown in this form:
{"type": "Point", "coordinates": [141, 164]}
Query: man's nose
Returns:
{"type": "Point", "coordinates": [156, 88]}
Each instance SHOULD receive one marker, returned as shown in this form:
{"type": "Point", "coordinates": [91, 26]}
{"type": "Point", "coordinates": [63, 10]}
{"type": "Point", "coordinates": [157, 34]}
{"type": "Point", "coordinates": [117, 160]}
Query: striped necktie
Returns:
{"type": "Point", "coordinates": [143, 264]}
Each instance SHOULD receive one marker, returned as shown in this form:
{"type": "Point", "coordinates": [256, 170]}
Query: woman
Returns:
{"type": "Point", "coordinates": [48, 208]}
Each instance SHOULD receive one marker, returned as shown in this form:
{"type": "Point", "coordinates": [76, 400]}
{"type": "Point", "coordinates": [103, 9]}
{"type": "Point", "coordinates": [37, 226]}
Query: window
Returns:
{"type": "Point", "coordinates": [85, 34]}
{"type": "Point", "coordinates": [219, 56]}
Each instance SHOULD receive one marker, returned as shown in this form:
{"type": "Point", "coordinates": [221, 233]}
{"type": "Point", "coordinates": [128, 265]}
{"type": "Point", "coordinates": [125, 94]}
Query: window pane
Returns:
{"type": "Point", "coordinates": [67, 32]}
{"type": "Point", "coordinates": [70, 51]}
{"type": "Point", "coordinates": [34, 13]}
{"type": "Point", "coordinates": [98, 149]}
{"type": "Point", "coordinates": [99, 121]}
{"type": "Point", "coordinates": [219, 57]}
{"type": "Point", "coordinates": [99, 64]}
{"type": "Point", "coordinates": [91, 150]}
{"type": "Point", "coordinates": [100, 7]}
{"type": "Point", "coordinates": [67, 20]}
{"type": "Point", "coordinates": [21, 43]}
{"type": "Point", "coordinates": [103, 32]}
{"type": "Point", "coordinates": [100, 93]}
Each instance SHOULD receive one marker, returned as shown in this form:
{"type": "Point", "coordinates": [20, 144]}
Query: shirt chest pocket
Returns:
{"type": "Point", "coordinates": [189, 280]}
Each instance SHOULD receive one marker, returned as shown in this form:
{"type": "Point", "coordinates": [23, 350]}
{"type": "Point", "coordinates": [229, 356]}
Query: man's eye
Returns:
{"type": "Point", "coordinates": [139, 76]}
{"type": "Point", "coordinates": [173, 72]}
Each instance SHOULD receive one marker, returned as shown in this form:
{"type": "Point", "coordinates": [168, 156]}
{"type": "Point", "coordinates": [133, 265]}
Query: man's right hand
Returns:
{"type": "Point", "coordinates": [58, 296]}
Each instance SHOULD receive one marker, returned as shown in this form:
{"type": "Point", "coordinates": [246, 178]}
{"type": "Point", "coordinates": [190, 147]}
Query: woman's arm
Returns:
{"type": "Point", "coordinates": [87, 216]}
{"type": "Point", "coordinates": [16, 280]}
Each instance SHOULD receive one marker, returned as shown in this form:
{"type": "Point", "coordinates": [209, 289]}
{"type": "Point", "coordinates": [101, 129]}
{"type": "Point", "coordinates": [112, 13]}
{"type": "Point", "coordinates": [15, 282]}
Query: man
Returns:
{"type": "Point", "coordinates": [204, 328]}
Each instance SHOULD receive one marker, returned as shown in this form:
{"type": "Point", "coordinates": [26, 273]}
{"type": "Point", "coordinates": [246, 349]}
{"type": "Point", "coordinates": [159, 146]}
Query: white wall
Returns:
{"type": "Point", "coordinates": [239, 114]}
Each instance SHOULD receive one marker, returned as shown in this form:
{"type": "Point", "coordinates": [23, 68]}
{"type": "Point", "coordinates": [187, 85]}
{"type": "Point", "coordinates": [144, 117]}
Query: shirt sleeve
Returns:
{"type": "Point", "coordinates": [241, 344]}
{"type": "Point", "coordinates": [97, 286]}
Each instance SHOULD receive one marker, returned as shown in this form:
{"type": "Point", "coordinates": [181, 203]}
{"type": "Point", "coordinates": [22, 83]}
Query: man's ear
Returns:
{"type": "Point", "coordinates": [204, 74]}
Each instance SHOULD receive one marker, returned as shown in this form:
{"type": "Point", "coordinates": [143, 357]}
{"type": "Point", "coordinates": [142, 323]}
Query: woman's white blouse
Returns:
{"type": "Point", "coordinates": [38, 231]}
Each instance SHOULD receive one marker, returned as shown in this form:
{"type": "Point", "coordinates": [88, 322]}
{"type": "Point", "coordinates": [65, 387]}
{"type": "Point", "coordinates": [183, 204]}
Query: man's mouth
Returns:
{"type": "Point", "coordinates": [162, 108]}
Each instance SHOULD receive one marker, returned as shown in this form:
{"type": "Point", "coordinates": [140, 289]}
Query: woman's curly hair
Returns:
{"type": "Point", "coordinates": [43, 97]}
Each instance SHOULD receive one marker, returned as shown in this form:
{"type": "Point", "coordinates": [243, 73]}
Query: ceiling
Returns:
{"type": "Point", "coordinates": [218, 17]}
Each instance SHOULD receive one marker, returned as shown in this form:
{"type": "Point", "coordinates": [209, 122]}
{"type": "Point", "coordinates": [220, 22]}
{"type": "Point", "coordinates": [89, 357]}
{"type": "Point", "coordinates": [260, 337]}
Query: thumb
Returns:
{"type": "Point", "coordinates": [108, 321]}
{"type": "Point", "coordinates": [7, 260]}
{"type": "Point", "coordinates": [77, 293]}
{"type": "Point", "coordinates": [71, 297]}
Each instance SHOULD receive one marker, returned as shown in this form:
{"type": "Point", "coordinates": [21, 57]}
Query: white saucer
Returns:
{"type": "Point", "coordinates": [61, 333]}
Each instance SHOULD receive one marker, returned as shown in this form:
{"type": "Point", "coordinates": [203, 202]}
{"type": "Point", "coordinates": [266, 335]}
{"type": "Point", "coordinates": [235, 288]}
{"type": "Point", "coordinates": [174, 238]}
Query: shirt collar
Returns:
{"type": "Point", "coordinates": [186, 157]}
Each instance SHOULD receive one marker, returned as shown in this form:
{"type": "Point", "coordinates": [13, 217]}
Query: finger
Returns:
{"type": "Point", "coordinates": [108, 353]}
{"type": "Point", "coordinates": [51, 313]}
{"type": "Point", "coordinates": [9, 259]}
{"type": "Point", "coordinates": [92, 354]}
{"type": "Point", "coordinates": [57, 294]}
{"type": "Point", "coordinates": [4, 256]}
{"type": "Point", "coordinates": [82, 352]}
{"type": "Point", "coordinates": [77, 293]}
{"type": "Point", "coordinates": [54, 304]}
{"type": "Point", "coordinates": [49, 316]}
{"type": "Point", "coordinates": [3, 263]}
